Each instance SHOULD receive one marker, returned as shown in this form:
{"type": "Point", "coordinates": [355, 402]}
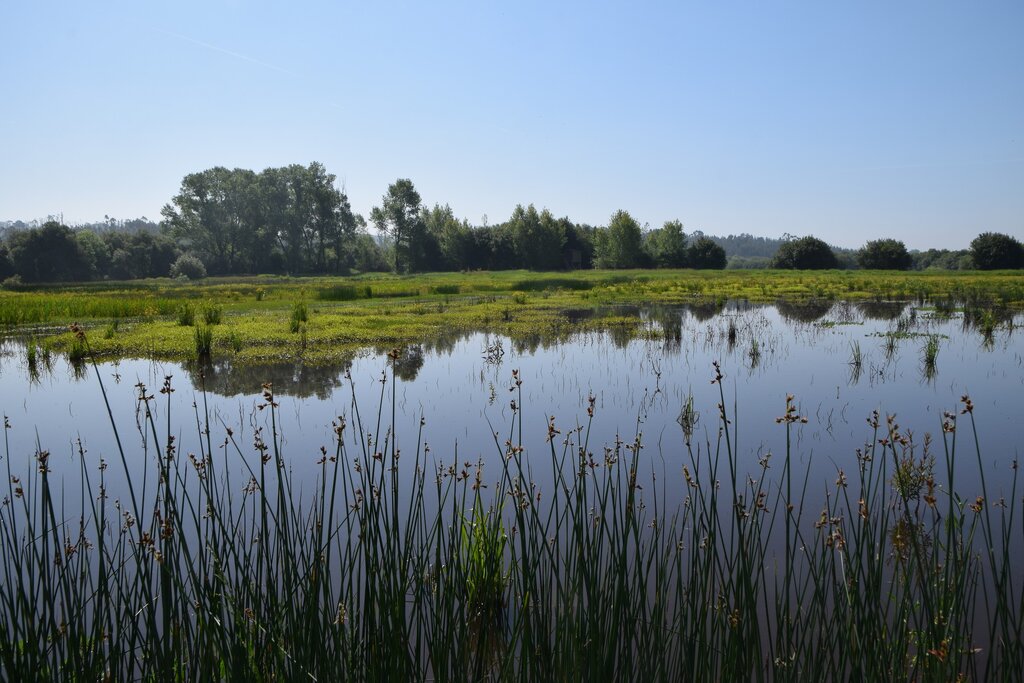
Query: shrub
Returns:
{"type": "Point", "coordinates": [188, 266]}
{"type": "Point", "coordinates": [212, 314]}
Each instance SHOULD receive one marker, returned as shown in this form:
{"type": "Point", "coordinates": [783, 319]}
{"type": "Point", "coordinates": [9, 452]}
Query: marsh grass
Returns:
{"type": "Point", "coordinates": [401, 565]}
{"type": "Point", "coordinates": [427, 306]}
{"type": "Point", "coordinates": [929, 356]}
{"type": "Point", "coordinates": [203, 337]}
{"type": "Point", "coordinates": [186, 315]}
{"type": "Point", "coordinates": [299, 316]}
{"type": "Point", "coordinates": [212, 314]}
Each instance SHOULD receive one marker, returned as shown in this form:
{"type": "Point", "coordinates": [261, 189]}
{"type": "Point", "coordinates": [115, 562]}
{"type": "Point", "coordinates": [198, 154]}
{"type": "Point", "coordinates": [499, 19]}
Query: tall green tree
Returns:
{"type": "Point", "coordinates": [48, 254]}
{"type": "Point", "coordinates": [805, 253]}
{"type": "Point", "coordinates": [620, 244]}
{"type": "Point", "coordinates": [667, 245]}
{"type": "Point", "coordinates": [537, 238]}
{"type": "Point", "coordinates": [993, 250]}
{"type": "Point", "coordinates": [449, 238]}
{"type": "Point", "coordinates": [210, 216]}
{"type": "Point", "coordinates": [399, 217]}
{"type": "Point", "coordinates": [706, 254]}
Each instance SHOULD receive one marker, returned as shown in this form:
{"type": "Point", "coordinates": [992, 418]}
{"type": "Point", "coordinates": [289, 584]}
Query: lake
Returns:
{"type": "Point", "coordinates": [840, 361]}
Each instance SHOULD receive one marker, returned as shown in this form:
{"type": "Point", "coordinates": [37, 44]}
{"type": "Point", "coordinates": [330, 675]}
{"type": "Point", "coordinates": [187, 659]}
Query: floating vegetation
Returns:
{"type": "Point", "coordinates": [267, 311]}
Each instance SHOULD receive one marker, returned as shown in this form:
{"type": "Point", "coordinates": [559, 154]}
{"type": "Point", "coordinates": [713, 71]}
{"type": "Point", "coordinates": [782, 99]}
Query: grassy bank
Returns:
{"type": "Point", "coordinates": [255, 316]}
{"type": "Point", "coordinates": [407, 564]}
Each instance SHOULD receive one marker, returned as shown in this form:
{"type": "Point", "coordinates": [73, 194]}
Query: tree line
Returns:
{"type": "Point", "coordinates": [297, 220]}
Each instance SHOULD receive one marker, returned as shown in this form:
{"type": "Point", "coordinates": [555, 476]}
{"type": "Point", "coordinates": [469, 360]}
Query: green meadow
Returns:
{"type": "Point", "coordinates": [262, 319]}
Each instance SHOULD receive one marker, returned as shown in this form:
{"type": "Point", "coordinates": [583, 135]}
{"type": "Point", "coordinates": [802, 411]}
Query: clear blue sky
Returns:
{"type": "Point", "coordinates": [847, 120]}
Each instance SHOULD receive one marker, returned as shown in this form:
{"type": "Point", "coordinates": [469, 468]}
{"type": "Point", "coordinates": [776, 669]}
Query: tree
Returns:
{"type": "Point", "coordinates": [210, 216]}
{"type": "Point", "coordinates": [48, 254]}
{"type": "Point", "coordinates": [399, 216]}
{"type": "Point", "coordinates": [95, 252]}
{"type": "Point", "coordinates": [620, 244]}
{"type": "Point", "coordinates": [993, 250]}
{"type": "Point", "coordinates": [578, 250]}
{"type": "Point", "coordinates": [449, 237]}
{"type": "Point", "coordinates": [805, 253]}
{"type": "Point", "coordinates": [667, 245]}
{"type": "Point", "coordinates": [6, 267]}
{"type": "Point", "coordinates": [537, 238]}
{"type": "Point", "coordinates": [884, 254]}
{"type": "Point", "coordinates": [707, 254]}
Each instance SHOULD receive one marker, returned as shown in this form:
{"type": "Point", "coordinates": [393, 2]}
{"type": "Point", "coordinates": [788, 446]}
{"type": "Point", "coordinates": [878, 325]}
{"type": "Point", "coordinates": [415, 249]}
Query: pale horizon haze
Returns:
{"type": "Point", "coordinates": [848, 121]}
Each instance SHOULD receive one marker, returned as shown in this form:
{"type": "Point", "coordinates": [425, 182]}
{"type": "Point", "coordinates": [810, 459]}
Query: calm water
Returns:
{"type": "Point", "coordinates": [461, 389]}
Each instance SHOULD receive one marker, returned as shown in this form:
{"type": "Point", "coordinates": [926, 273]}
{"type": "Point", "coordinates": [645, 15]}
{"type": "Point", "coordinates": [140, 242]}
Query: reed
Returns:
{"type": "Point", "coordinates": [410, 566]}
{"type": "Point", "coordinates": [203, 337]}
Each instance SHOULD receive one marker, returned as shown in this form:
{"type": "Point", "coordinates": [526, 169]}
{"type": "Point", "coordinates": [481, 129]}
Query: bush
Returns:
{"type": "Point", "coordinates": [188, 266]}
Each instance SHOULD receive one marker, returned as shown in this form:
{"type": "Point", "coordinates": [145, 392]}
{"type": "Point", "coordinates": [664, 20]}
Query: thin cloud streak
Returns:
{"type": "Point", "coordinates": [236, 55]}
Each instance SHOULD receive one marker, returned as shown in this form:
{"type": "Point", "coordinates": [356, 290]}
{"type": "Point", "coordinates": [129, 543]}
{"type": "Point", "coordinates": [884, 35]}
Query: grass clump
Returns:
{"type": "Point", "coordinates": [203, 337]}
{"type": "Point", "coordinates": [929, 356]}
{"type": "Point", "coordinates": [212, 314]}
{"type": "Point", "coordinates": [186, 315]}
{"type": "Point", "coordinates": [299, 316]}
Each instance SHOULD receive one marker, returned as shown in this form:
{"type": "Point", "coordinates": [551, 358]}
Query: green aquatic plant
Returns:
{"type": "Point", "coordinates": [186, 315]}
{"type": "Point", "coordinates": [299, 316]}
{"type": "Point", "coordinates": [212, 314]}
{"type": "Point", "coordinates": [929, 355]}
{"type": "Point", "coordinates": [203, 338]}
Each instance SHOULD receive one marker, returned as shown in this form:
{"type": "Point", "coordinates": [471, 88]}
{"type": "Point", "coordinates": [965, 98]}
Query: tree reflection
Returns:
{"type": "Point", "coordinates": [806, 311]}
{"type": "Point", "coordinates": [225, 378]}
{"type": "Point", "coordinates": [409, 362]}
{"type": "Point", "coordinates": [707, 309]}
{"type": "Point", "coordinates": [881, 310]}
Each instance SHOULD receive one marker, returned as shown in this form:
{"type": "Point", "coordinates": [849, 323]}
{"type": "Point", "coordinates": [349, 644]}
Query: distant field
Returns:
{"type": "Point", "coordinates": [265, 318]}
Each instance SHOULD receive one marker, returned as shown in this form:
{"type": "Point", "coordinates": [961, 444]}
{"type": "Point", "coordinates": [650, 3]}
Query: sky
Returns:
{"type": "Point", "coordinates": [850, 121]}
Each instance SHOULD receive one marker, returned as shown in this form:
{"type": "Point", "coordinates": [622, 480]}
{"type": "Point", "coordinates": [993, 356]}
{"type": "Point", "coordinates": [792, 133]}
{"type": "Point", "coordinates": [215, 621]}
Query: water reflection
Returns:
{"type": "Point", "coordinates": [297, 379]}
{"type": "Point", "coordinates": [807, 311]}
{"type": "Point", "coordinates": [881, 310]}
